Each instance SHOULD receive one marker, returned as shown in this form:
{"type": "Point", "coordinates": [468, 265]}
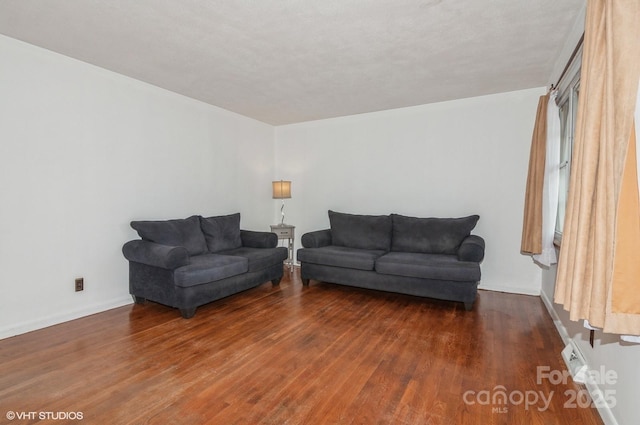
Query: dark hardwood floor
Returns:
{"type": "Point", "coordinates": [323, 354]}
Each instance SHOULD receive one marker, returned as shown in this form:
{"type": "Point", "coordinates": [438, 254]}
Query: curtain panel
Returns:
{"type": "Point", "coordinates": [597, 278]}
{"type": "Point", "coordinates": [531, 242]}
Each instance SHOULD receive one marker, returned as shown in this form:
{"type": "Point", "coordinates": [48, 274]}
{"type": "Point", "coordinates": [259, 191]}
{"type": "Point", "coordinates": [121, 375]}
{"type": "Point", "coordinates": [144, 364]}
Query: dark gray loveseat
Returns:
{"type": "Point", "coordinates": [427, 257]}
{"type": "Point", "coordinates": [186, 263]}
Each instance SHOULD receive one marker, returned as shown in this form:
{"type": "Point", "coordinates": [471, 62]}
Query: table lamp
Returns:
{"type": "Point", "coordinates": [281, 190]}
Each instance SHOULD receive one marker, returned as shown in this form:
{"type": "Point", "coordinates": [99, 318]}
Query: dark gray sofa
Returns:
{"type": "Point", "coordinates": [186, 263]}
{"type": "Point", "coordinates": [426, 257]}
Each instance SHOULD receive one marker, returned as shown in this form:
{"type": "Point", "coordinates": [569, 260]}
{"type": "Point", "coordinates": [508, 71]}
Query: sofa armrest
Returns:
{"type": "Point", "coordinates": [471, 249]}
{"type": "Point", "coordinates": [317, 239]}
{"type": "Point", "coordinates": [153, 254]}
{"type": "Point", "coordinates": [253, 239]}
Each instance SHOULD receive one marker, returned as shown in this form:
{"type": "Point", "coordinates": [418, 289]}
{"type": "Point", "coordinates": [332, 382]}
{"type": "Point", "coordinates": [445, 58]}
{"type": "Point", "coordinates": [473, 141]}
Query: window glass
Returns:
{"type": "Point", "coordinates": [565, 158]}
{"type": "Point", "coordinates": [568, 95]}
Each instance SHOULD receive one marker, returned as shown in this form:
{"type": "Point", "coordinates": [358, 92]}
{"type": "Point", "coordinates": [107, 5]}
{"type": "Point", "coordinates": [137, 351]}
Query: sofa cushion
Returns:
{"type": "Point", "coordinates": [260, 258]}
{"type": "Point", "coordinates": [256, 239]}
{"type": "Point", "coordinates": [471, 249]}
{"type": "Point", "coordinates": [360, 231]}
{"type": "Point", "coordinates": [209, 268]}
{"type": "Point", "coordinates": [316, 239]}
{"type": "Point", "coordinates": [340, 256]}
{"type": "Point", "coordinates": [222, 232]}
{"type": "Point", "coordinates": [180, 232]}
{"type": "Point", "coordinates": [430, 235]}
{"type": "Point", "coordinates": [428, 266]}
{"type": "Point", "coordinates": [154, 254]}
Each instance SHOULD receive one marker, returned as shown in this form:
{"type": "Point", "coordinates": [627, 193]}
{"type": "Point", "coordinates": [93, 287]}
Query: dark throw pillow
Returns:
{"type": "Point", "coordinates": [360, 231]}
{"type": "Point", "coordinates": [222, 232]}
{"type": "Point", "coordinates": [430, 235]}
{"type": "Point", "coordinates": [184, 232]}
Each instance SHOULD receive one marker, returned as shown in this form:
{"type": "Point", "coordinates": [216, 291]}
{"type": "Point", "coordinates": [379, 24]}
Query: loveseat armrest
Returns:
{"type": "Point", "coordinates": [317, 239]}
{"type": "Point", "coordinates": [471, 249]}
{"type": "Point", "coordinates": [157, 255]}
{"type": "Point", "coordinates": [252, 239]}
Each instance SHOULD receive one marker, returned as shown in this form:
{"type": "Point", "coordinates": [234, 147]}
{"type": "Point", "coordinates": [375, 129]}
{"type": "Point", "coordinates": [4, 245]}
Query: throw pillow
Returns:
{"type": "Point", "coordinates": [430, 235]}
{"type": "Point", "coordinates": [222, 232]}
{"type": "Point", "coordinates": [360, 231]}
{"type": "Point", "coordinates": [184, 232]}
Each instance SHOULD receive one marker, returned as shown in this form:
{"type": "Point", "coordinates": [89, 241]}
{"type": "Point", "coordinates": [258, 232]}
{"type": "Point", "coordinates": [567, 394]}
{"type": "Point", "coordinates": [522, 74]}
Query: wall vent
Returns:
{"type": "Point", "coordinates": [575, 363]}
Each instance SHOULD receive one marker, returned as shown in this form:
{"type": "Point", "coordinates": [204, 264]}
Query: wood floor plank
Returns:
{"type": "Point", "coordinates": [322, 354]}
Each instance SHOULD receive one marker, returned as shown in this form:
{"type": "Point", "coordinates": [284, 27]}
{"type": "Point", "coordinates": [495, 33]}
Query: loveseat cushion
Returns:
{"type": "Point", "coordinates": [222, 232]}
{"type": "Point", "coordinates": [430, 235]}
{"type": "Point", "coordinates": [209, 268]}
{"type": "Point", "coordinates": [428, 266]}
{"type": "Point", "coordinates": [184, 232]}
{"type": "Point", "coordinates": [360, 231]}
{"type": "Point", "coordinates": [260, 258]}
{"type": "Point", "coordinates": [340, 256]}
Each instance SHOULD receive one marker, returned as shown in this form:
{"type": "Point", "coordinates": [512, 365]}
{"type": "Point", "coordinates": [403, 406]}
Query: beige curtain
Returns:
{"type": "Point", "coordinates": [626, 267]}
{"type": "Point", "coordinates": [596, 278]}
{"type": "Point", "coordinates": [532, 223]}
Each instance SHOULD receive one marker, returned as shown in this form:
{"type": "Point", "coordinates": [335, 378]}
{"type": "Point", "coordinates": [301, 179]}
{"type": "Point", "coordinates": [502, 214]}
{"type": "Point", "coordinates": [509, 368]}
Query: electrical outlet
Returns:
{"type": "Point", "coordinates": [79, 284]}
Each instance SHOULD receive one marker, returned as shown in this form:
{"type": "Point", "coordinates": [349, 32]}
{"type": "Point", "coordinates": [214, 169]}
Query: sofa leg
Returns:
{"type": "Point", "coordinates": [188, 313]}
{"type": "Point", "coordinates": [468, 305]}
{"type": "Point", "coordinates": [276, 282]}
{"type": "Point", "coordinates": [138, 300]}
{"type": "Point", "coordinates": [305, 282]}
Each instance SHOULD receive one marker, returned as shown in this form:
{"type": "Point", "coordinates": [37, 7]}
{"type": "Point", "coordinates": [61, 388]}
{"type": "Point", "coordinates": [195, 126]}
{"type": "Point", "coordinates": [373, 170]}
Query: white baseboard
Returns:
{"type": "Point", "coordinates": [593, 388]}
{"type": "Point", "coordinates": [556, 319]}
{"type": "Point", "coordinates": [43, 322]}
{"type": "Point", "coordinates": [509, 289]}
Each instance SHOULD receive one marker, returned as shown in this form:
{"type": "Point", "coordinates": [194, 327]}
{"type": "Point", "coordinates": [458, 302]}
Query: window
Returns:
{"type": "Point", "coordinates": [568, 94]}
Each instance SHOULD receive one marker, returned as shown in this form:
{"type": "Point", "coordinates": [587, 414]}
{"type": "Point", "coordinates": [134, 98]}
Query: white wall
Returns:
{"type": "Point", "coordinates": [83, 151]}
{"type": "Point", "coordinates": [449, 159]}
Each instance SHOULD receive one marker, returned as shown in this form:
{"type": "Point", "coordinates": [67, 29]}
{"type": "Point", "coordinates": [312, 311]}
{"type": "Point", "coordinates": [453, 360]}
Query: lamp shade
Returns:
{"type": "Point", "coordinates": [281, 189]}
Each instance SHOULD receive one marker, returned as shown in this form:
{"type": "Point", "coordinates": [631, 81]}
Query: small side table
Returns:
{"type": "Point", "coordinates": [286, 231]}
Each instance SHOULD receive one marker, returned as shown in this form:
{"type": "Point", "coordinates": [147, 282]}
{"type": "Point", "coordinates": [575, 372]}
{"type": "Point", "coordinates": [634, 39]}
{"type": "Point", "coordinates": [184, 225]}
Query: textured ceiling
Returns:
{"type": "Point", "coordinates": [285, 61]}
